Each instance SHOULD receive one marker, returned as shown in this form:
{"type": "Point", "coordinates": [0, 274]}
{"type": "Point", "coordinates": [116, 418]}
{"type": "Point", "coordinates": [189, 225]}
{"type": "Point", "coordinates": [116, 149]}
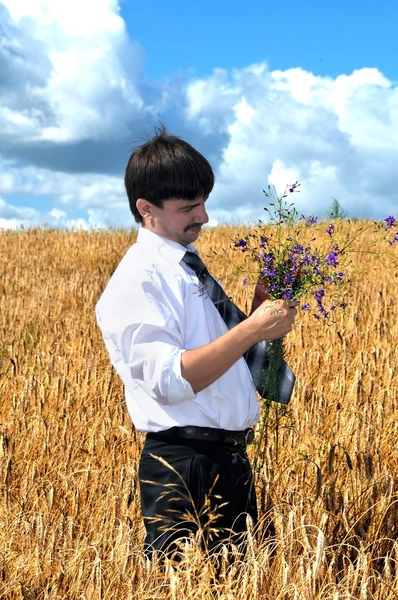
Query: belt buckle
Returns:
{"type": "Point", "coordinates": [249, 436]}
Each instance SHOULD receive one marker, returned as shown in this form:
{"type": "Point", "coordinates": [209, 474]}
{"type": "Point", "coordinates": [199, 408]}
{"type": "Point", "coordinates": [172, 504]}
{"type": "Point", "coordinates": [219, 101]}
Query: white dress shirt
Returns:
{"type": "Point", "coordinates": [152, 311]}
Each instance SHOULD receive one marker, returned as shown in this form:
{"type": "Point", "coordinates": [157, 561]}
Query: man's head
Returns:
{"type": "Point", "coordinates": [167, 182]}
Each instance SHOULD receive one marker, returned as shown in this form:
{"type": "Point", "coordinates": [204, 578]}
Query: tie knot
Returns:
{"type": "Point", "coordinates": [195, 262]}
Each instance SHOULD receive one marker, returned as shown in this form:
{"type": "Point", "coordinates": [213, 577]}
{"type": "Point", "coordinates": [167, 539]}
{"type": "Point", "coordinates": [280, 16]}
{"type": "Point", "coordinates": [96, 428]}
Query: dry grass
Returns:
{"type": "Point", "coordinates": [69, 512]}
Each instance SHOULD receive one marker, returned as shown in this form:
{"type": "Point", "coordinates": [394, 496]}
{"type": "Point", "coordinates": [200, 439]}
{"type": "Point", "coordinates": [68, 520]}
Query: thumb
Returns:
{"type": "Point", "coordinates": [259, 291]}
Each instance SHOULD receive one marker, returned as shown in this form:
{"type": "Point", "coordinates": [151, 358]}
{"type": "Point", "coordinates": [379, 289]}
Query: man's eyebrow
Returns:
{"type": "Point", "coordinates": [185, 206]}
{"type": "Point", "coordinates": [192, 204]}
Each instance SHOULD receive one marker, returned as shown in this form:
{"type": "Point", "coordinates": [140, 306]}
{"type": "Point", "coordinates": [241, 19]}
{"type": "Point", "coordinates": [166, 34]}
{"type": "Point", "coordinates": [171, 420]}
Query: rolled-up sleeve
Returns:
{"type": "Point", "coordinates": [142, 334]}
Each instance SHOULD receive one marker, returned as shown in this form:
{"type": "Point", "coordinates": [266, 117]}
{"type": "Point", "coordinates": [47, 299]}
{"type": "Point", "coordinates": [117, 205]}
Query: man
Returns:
{"type": "Point", "coordinates": [186, 382]}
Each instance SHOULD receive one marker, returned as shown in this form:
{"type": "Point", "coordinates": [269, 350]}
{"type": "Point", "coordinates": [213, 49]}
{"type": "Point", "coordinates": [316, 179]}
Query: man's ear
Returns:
{"type": "Point", "coordinates": [144, 207]}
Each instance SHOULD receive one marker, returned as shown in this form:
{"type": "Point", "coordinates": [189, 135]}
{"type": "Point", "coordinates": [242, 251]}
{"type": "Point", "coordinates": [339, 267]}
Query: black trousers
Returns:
{"type": "Point", "coordinates": [194, 486]}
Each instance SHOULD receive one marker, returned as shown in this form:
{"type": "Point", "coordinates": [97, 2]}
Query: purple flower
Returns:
{"type": "Point", "coordinates": [289, 279]}
{"type": "Point", "coordinates": [269, 272]}
{"type": "Point", "coordinates": [318, 295]}
{"type": "Point", "coordinates": [311, 220]}
{"type": "Point", "coordinates": [236, 457]}
{"type": "Point", "coordinates": [306, 306]}
{"type": "Point", "coordinates": [201, 288]}
{"type": "Point", "coordinates": [330, 230]}
{"type": "Point", "coordinates": [316, 264]}
{"type": "Point", "coordinates": [287, 294]}
{"type": "Point", "coordinates": [241, 244]}
{"type": "Point", "coordinates": [394, 239]}
{"type": "Point", "coordinates": [268, 258]}
{"type": "Point", "coordinates": [331, 259]}
{"type": "Point", "coordinates": [263, 241]}
{"type": "Point", "coordinates": [292, 188]}
{"type": "Point", "coordinates": [298, 249]}
{"type": "Point", "coordinates": [244, 281]}
{"type": "Point", "coordinates": [389, 221]}
{"type": "Point", "coordinates": [342, 305]}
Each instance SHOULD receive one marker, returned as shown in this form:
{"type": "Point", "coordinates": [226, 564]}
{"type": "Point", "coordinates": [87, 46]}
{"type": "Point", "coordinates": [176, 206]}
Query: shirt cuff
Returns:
{"type": "Point", "coordinates": [161, 378]}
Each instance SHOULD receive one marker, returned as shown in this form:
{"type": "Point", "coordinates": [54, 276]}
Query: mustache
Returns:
{"type": "Point", "coordinates": [193, 226]}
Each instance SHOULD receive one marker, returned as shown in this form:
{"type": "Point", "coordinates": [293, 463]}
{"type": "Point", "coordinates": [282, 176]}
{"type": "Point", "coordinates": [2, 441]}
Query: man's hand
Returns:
{"type": "Point", "coordinates": [273, 319]}
{"type": "Point", "coordinates": [259, 296]}
{"type": "Point", "coordinates": [270, 321]}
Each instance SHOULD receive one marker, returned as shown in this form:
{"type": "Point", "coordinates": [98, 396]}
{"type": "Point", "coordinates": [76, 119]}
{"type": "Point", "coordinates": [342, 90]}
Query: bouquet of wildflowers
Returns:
{"type": "Point", "coordinates": [296, 258]}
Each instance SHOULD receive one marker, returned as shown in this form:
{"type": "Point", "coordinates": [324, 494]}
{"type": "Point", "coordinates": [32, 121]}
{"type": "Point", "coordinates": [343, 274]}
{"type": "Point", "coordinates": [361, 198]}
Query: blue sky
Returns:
{"type": "Point", "coordinates": [270, 92]}
{"type": "Point", "coordinates": [326, 38]}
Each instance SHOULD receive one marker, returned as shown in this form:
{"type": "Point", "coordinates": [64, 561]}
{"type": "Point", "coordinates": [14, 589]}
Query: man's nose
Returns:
{"type": "Point", "coordinates": [201, 215]}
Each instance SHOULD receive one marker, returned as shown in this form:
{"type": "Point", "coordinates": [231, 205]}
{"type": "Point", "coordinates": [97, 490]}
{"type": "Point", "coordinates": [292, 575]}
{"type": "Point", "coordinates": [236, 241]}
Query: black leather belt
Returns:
{"type": "Point", "coordinates": [209, 434]}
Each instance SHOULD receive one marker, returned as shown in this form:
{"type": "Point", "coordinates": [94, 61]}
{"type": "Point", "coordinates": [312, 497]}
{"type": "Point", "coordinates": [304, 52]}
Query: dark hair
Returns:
{"type": "Point", "coordinates": [166, 167]}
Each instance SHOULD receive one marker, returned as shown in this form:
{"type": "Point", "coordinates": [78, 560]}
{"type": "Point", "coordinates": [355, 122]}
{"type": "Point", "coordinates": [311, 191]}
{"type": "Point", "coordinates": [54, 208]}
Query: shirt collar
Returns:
{"type": "Point", "coordinates": [169, 249]}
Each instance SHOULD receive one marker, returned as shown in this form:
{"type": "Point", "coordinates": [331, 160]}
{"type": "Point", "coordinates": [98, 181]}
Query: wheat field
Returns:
{"type": "Point", "coordinates": [327, 479]}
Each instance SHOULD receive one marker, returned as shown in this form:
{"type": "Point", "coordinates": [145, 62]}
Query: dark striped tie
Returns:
{"type": "Point", "coordinates": [257, 357]}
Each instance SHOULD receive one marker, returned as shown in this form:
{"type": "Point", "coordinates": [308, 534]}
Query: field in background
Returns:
{"type": "Point", "coordinates": [70, 523]}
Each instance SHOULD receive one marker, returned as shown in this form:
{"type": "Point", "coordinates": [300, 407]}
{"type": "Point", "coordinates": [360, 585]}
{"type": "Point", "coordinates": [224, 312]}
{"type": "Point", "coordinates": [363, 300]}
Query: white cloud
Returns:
{"type": "Point", "coordinates": [12, 217]}
{"type": "Point", "coordinates": [280, 176]}
{"type": "Point", "coordinates": [7, 211]}
{"type": "Point", "coordinates": [76, 18]}
{"type": "Point", "coordinates": [100, 198]}
{"type": "Point", "coordinates": [321, 131]}
{"type": "Point", "coordinates": [58, 214]}
{"type": "Point", "coordinates": [89, 88]}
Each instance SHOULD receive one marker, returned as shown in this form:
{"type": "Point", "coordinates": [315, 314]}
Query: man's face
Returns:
{"type": "Point", "coordinates": [178, 220]}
